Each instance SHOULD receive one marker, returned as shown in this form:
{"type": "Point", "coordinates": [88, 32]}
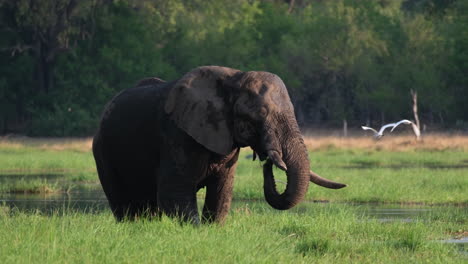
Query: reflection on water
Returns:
{"type": "Point", "coordinates": [389, 213]}
{"type": "Point", "coordinates": [462, 244]}
{"type": "Point", "coordinates": [89, 198]}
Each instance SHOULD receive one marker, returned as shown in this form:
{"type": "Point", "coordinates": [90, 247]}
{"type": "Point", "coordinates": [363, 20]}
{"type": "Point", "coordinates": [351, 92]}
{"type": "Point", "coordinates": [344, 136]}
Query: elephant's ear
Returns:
{"type": "Point", "coordinates": [197, 104]}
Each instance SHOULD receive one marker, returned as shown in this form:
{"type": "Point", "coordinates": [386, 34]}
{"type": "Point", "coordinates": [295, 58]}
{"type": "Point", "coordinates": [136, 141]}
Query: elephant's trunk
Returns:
{"type": "Point", "coordinates": [294, 159]}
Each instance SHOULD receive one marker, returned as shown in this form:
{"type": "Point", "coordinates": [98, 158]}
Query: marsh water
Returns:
{"type": "Point", "coordinates": [92, 199]}
{"type": "Point", "coordinates": [84, 198]}
{"type": "Point", "coordinates": [89, 198]}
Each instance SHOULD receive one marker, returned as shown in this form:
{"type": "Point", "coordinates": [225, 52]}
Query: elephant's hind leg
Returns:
{"type": "Point", "coordinates": [105, 174]}
{"type": "Point", "coordinates": [128, 198]}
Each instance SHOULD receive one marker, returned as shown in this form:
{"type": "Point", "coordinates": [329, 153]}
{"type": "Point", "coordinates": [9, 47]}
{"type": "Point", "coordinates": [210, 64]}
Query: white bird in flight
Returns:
{"type": "Point", "coordinates": [415, 128]}
{"type": "Point", "coordinates": [379, 134]}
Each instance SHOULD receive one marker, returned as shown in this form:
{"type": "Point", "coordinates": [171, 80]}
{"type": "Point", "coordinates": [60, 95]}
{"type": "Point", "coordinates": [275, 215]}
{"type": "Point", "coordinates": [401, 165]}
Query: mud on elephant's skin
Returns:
{"type": "Point", "coordinates": [160, 142]}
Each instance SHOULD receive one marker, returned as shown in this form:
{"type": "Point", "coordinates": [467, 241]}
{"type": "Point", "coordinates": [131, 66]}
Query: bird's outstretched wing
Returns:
{"type": "Point", "coordinates": [385, 127]}
{"type": "Point", "coordinates": [369, 128]}
{"type": "Point", "coordinates": [404, 121]}
{"type": "Point", "coordinates": [379, 134]}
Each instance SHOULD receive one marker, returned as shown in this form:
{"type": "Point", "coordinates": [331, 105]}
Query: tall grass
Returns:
{"type": "Point", "coordinates": [31, 186]}
{"type": "Point", "coordinates": [325, 234]}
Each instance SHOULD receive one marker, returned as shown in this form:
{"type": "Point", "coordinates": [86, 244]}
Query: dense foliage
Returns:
{"type": "Point", "coordinates": [62, 60]}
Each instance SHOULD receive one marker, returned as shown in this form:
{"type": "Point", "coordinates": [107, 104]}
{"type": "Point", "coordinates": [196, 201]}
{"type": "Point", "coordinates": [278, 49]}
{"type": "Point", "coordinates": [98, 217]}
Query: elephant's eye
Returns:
{"type": "Point", "coordinates": [263, 112]}
{"type": "Point", "coordinates": [244, 126]}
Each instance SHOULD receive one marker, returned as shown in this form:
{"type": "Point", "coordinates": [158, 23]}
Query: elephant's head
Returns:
{"type": "Point", "coordinates": [223, 109]}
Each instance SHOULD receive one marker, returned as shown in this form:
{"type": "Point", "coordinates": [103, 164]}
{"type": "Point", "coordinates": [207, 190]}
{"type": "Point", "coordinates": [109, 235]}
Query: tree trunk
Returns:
{"type": "Point", "coordinates": [44, 68]}
{"type": "Point", "coordinates": [345, 128]}
{"type": "Point", "coordinates": [291, 6]}
{"type": "Point", "coordinates": [417, 129]}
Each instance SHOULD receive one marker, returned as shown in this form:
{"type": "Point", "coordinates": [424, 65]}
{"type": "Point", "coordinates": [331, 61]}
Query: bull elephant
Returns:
{"type": "Point", "coordinates": [160, 142]}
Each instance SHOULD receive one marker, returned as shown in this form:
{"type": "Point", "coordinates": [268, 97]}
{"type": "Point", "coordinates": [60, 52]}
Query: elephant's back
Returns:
{"type": "Point", "coordinates": [131, 120]}
{"type": "Point", "coordinates": [133, 107]}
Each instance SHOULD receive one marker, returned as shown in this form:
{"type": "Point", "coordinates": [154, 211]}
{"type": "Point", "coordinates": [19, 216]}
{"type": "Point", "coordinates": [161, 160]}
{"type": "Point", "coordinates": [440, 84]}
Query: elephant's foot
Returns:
{"type": "Point", "coordinates": [183, 209]}
{"type": "Point", "coordinates": [132, 211]}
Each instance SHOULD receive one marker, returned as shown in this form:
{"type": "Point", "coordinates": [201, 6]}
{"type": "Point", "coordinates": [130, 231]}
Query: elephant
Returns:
{"type": "Point", "coordinates": [159, 142]}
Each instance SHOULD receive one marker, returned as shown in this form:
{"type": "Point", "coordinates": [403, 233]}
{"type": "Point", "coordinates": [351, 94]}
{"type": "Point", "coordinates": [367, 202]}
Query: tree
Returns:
{"type": "Point", "coordinates": [44, 28]}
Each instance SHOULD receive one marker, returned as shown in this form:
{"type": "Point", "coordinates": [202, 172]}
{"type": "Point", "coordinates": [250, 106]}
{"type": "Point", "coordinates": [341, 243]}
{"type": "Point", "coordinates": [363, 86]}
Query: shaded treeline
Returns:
{"type": "Point", "coordinates": [62, 60]}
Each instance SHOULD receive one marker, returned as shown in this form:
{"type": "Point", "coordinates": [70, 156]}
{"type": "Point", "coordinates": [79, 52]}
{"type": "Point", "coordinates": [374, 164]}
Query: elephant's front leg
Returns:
{"type": "Point", "coordinates": [177, 198]}
{"type": "Point", "coordinates": [179, 171]}
{"type": "Point", "coordinates": [219, 189]}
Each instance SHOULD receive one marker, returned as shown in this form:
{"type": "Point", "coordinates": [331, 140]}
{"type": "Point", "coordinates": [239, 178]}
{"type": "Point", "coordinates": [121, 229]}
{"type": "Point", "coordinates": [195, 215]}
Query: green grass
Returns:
{"type": "Point", "coordinates": [33, 160]}
{"type": "Point", "coordinates": [326, 233]}
{"type": "Point", "coordinates": [375, 176]}
{"type": "Point", "coordinates": [253, 233]}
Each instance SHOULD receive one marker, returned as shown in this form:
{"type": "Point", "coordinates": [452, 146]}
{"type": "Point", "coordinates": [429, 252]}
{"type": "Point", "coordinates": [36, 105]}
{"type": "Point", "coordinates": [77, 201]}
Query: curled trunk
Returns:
{"type": "Point", "coordinates": [295, 158]}
{"type": "Point", "coordinates": [291, 157]}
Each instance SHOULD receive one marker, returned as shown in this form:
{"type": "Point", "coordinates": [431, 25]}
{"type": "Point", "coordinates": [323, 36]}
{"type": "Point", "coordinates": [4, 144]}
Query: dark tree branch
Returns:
{"type": "Point", "coordinates": [18, 48]}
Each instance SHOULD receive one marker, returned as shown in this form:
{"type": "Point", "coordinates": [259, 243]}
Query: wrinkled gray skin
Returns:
{"type": "Point", "coordinates": [159, 143]}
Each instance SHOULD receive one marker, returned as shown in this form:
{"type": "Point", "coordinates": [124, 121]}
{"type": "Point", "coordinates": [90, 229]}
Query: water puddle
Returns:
{"type": "Point", "coordinates": [392, 214]}
{"type": "Point", "coordinates": [461, 243]}
{"type": "Point", "coordinates": [90, 197]}
{"type": "Point", "coordinates": [83, 198]}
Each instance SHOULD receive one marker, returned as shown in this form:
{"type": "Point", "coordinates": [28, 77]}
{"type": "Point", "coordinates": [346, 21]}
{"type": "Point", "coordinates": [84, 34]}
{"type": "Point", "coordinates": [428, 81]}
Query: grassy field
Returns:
{"type": "Point", "coordinates": [395, 170]}
{"type": "Point", "coordinates": [329, 233]}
